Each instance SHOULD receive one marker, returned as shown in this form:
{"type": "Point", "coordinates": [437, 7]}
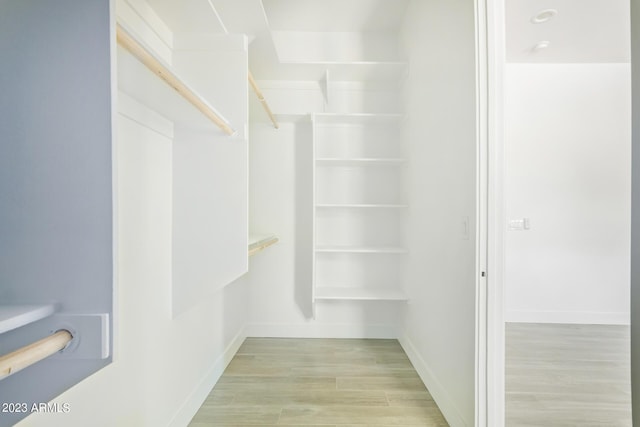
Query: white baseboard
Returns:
{"type": "Point", "coordinates": [202, 390]}
{"type": "Point", "coordinates": [321, 330]}
{"type": "Point", "coordinates": [438, 391]}
{"type": "Point", "coordinates": [574, 317]}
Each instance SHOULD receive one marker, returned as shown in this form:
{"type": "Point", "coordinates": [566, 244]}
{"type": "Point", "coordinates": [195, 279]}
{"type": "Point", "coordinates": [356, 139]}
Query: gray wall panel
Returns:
{"type": "Point", "coordinates": [55, 175]}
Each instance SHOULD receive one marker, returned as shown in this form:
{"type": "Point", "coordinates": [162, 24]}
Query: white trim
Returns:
{"type": "Point", "coordinates": [495, 215]}
{"type": "Point", "coordinates": [115, 204]}
{"type": "Point", "coordinates": [215, 12]}
{"type": "Point", "coordinates": [197, 397]}
{"type": "Point", "coordinates": [436, 389]}
{"type": "Point", "coordinates": [321, 330]}
{"type": "Point", "coordinates": [482, 111]}
{"type": "Point", "coordinates": [574, 317]}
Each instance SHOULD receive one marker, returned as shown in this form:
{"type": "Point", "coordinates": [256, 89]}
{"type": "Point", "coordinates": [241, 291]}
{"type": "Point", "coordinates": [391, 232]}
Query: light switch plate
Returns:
{"type": "Point", "coordinates": [520, 224]}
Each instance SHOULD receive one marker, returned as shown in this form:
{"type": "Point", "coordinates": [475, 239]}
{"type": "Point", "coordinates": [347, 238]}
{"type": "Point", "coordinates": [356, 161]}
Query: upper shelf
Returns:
{"type": "Point", "coordinates": [360, 162]}
{"type": "Point", "coordinates": [137, 64]}
{"type": "Point", "coordinates": [357, 118]}
{"type": "Point", "coordinates": [362, 249]}
{"type": "Point", "coordinates": [15, 316]}
{"type": "Point", "coordinates": [293, 117]}
{"type": "Point", "coordinates": [359, 294]}
{"type": "Point", "coordinates": [348, 71]}
{"type": "Point", "coordinates": [371, 71]}
{"type": "Point", "coordinates": [362, 205]}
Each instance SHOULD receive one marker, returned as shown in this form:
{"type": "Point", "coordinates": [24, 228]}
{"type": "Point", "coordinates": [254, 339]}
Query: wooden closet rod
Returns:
{"type": "Point", "coordinates": [147, 58]}
{"type": "Point", "coordinates": [263, 101]}
{"type": "Point", "coordinates": [33, 353]}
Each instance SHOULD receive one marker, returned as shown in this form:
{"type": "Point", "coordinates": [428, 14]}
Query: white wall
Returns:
{"type": "Point", "coordinates": [567, 151]}
{"type": "Point", "coordinates": [440, 135]}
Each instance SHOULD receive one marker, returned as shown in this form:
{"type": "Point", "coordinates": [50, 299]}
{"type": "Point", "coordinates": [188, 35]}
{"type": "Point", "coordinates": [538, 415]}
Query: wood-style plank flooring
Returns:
{"type": "Point", "coordinates": [319, 382]}
{"type": "Point", "coordinates": [567, 375]}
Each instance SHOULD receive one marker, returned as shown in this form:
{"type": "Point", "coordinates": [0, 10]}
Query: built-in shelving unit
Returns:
{"type": "Point", "coordinates": [15, 316]}
{"type": "Point", "coordinates": [359, 207]}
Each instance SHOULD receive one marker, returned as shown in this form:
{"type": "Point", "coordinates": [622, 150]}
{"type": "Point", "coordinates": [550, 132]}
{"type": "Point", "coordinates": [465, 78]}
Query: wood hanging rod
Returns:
{"type": "Point", "coordinates": [261, 244]}
{"type": "Point", "coordinates": [263, 101]}
{"type": "Point", "coordinates": [150, 61]}
{"type": "Point", "coordinates": [33, 353]}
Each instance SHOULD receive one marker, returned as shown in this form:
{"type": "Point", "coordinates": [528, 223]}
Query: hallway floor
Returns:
{"type": "Point", "coordinates": [567, 375]}
{"type": "Point", "coordinates": [319, 382]}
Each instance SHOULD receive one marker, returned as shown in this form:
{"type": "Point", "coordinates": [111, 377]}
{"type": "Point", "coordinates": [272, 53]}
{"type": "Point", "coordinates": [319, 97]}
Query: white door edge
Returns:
{"type": "Point", "coordinates": [493, 241]}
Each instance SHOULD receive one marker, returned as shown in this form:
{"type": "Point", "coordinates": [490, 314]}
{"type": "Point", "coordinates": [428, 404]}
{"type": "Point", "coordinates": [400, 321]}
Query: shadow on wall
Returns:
{"type": "Point", "coordinates": [304, 209]}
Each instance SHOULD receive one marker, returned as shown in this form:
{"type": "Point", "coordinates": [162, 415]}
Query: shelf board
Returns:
{"type": "Point", "coordinates": [139, 82]}
{"type": "Point", "coordinates": [15, 316]}
{"type": "Point", "coordinates": [293, 117]}
{"type": "Point", "coordinates": [361, 206]}
{"type": "Point", "coordinates": [360, 162]}
{"type": "Point", "coordinates": [357, 118]}
{"type": "Point", "coordinates": [259, 242]}
{"type": "Point", "coordinates": [361, 249]}
{"type": "Point", "coordinates": [361, 294]}
{"type": "Point", "coordinates": [391, 71]}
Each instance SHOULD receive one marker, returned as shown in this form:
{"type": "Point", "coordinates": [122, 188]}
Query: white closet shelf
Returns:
{"type": "Point", "coordinates": [362, 249]}
{"type": "Point", "coordinates": [358, 118]}
{"type": "Point", "coordinates": [259, 242]}
{"type": "Point", "coordinates": [15, 316]}
{"type": "Point", "coordinates": [392, 71]}
{"type": "Point", "coordinates": [360, 162]}
{"type": "Point", "coordinates": [152, 82]}
{"type": "Point", "coordinates": [361, 206]}
{"type": "Point", "coordinates": [343, 293]}
{"type": "Point", "coordinates": [293, 117]}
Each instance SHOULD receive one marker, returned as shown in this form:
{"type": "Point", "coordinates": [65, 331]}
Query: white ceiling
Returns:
{"type": "Point", "coordinates": [335, 15]}
{"type": "Point", "coordinates": [188, 16]}
{"type": "Point", "coordinates": [242, 16]}
{"type": "Point", "coordinates": [582, 31]}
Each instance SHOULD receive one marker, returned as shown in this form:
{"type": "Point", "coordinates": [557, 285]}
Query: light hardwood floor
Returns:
{"type": "Point", "coordinates": [319, 382]}
{"type": "Point", "coordinates": [567, 375]}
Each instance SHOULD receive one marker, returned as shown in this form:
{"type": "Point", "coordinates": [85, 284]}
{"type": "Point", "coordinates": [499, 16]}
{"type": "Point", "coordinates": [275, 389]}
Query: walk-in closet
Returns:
{"type": "Point", "coordinates": [189, 187]}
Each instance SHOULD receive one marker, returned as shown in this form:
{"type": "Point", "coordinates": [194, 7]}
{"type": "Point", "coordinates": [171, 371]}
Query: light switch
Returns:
{"type": "Point", "coordinates": [520, 224]}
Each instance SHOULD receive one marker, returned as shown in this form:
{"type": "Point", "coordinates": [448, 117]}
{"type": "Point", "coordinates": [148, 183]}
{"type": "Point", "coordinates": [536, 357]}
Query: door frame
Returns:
{"type": "Point", "coordinates": [490, 325]}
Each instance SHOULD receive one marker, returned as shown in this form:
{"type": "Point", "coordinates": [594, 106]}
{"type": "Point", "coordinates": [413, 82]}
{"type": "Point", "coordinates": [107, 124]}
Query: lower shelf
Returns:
{"type": "Point", "coordinates": [334, 293]}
